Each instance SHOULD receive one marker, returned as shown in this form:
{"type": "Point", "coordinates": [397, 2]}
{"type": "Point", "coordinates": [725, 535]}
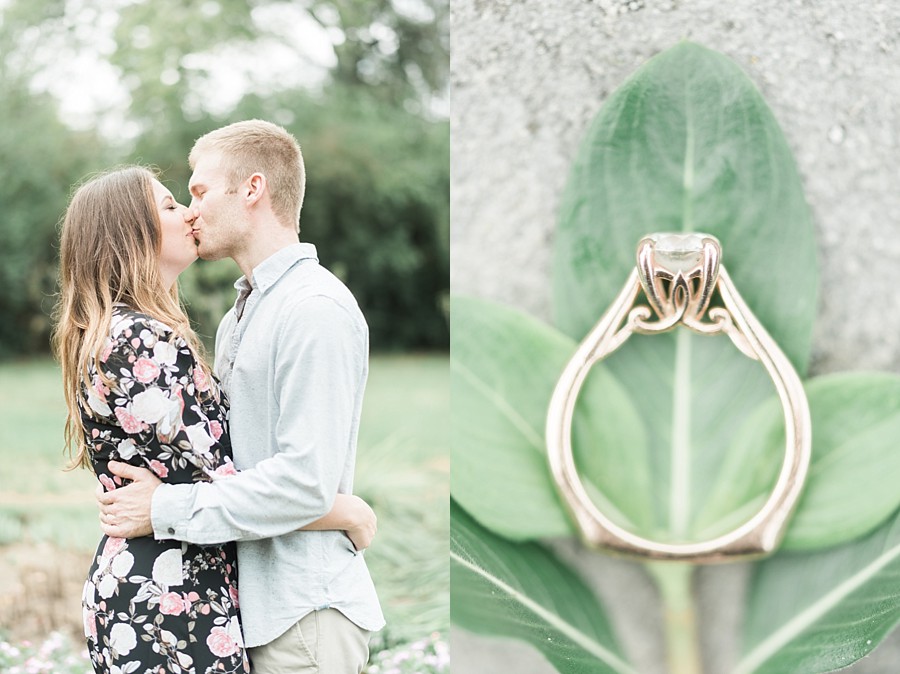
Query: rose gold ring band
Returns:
{"type": "Point", "coordinates": [678, 275]}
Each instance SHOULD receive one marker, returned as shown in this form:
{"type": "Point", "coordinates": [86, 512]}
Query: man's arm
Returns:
{"type": "Point", "coordinates": [125, 512]}
{"type": "Point", "coordinates": [320, 368]}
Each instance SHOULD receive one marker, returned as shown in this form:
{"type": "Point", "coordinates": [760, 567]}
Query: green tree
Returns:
{"type": "Point", "coordinates": [41, 159]}
{"type": "Point", "coordinates": [377, 201]}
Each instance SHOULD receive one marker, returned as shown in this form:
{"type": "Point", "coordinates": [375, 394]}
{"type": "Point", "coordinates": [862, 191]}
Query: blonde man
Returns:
{"type": "Point", "coordinates": [293, 357]}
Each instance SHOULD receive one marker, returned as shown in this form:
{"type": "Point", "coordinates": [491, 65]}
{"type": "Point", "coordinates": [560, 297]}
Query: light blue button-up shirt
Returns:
{"type": "Point", "coordinates": [293, 357]}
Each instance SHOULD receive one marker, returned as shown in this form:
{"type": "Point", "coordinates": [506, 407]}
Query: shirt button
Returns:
{"type": "Point", "coordinates": [171, 530]}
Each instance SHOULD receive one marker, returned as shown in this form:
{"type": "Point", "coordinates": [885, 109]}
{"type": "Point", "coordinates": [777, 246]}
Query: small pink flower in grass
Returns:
{"type": "Point", "coordinates": [130, 423]}
{"type": "Point", "coordinates": [145, 370]}
{"type": "Point", "coordinates": [171, 603]}
{"type": "Point", "coordinates": [220, 643]}
{"type": "Point", "coordinates": [158, 468]}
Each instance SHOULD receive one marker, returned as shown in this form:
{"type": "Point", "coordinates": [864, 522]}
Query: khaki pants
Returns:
{"type": "Point", "coordinates": [322, 642]}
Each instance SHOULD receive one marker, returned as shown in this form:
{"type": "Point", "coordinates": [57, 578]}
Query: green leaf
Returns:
{"type": "Point", "coordinates": [819, 612]}
{"type": "Point", "coordinates": [688, 144]}
{"type": "Point", "coordinates": [504, 366]}
{"type": "Point", "coordinates": [523, 591]}
{"type": "Point", "coordinates": [852, 483]}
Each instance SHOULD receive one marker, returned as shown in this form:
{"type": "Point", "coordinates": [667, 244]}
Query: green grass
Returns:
{"type": "Point", "coordinates": [403, 471]}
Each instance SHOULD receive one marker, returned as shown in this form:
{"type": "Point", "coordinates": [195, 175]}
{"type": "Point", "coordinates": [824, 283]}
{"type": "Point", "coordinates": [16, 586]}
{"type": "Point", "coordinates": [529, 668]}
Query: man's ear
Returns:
{"type": "Point", "coordinates": [256, 186]}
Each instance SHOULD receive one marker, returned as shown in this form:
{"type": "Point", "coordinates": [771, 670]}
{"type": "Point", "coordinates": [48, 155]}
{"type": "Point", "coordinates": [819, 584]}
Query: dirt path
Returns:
{"type": "Point", "coordinates": [40, 590]}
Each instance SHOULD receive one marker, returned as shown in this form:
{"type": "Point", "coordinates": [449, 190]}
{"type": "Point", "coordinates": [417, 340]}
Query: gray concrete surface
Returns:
{"type": "Point", "coordinates": [527, 78]}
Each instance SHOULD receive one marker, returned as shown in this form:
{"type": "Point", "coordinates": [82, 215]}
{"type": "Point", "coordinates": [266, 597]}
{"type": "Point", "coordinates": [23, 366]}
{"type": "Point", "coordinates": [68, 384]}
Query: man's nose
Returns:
{"type": "Point", "coordinates": [189, 215]}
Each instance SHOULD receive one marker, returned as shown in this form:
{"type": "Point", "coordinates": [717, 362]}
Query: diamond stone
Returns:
{"type": "Point", "coordinates": [678, 252]}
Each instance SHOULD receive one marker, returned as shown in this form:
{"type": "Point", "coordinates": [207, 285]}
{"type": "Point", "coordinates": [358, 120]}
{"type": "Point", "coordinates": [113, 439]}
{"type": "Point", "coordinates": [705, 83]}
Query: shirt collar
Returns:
{"type": "Point", "coordinates": [270, 270]}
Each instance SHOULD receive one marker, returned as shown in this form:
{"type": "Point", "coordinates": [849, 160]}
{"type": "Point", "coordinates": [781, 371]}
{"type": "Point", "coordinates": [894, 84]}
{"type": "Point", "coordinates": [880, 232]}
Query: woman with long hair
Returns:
{"type": "Point", "coordinates": [138, 390]}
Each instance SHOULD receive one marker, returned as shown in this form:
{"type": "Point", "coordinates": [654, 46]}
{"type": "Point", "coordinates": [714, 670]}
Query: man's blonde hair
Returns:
{"type": "Point", "coordinates": [257, 146]}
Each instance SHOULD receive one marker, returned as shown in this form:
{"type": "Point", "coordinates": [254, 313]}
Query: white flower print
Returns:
{"type": "Point", "coordinates": [167, 568]}
{"type": "Point", "coordinates": [164, 353]}
{"type": "Point", "coordinates": [170, 424]}
{"type": "Point", "coordinates": [107, 586]}
{"type": "Point", "coordinates": [121, 564]}
{"type": "Point", "coordinates": [148, 338]}
{"type": "Point", "coordinates": [201, 441]}
{"type": "Point", "coordinates": [119, 325]}
{"type": "Point", "coordinates": [234, 631]}
{"type": "Point", "coordinates": [126, 449]}
{"type": "Point", "coordinates": [96, 404]}
{"type": "Point", "coordinates": [127, 668]}
{"type": "Point", "coordinates": [89, 595]}
{"type": "Point", "coordinates": [152, 405]}
{"type": "Point", "coordinates": [122, 638]}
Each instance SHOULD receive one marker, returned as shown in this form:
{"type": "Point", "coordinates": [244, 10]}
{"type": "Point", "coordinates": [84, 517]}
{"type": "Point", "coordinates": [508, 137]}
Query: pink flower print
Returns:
{"type": "Point", "coordinates": [220, 643]}
{"type": "Point", "coordinates": [135, 342]}
{"type": "Point", "coordinates": [90, 624]}
{"type": "Point", "coordinates": [158, 468]}
{"type": "Point", "coordinates": [113, 545]}
{"type": "Point", "coordinates": [215, 429]}
{"type": "Point", "coordinates": [130, 423]}
{"type": "Point", "coordinates": [145, 370]}
{"type": "Point", "coordinates": [201, 381]}
{"type": "Point", "coordinates": [107, 482]}
{"type": "Point", "coordinates": [233, 593]}
{"type": "Point", "coordinates": [226, 469]}
{"type": "Point", "coordinates": [100, 388]}
{"type": "Point", "coordinates": [180, 402]}
{"type": "Point", "coordinates": [189, 599]}
{"type": "Point", "coordinates": [171, 603]}
{"type": "Point", "coordinates": [95, 432]}
{"type": "Point", "coordinates": [104, 355]}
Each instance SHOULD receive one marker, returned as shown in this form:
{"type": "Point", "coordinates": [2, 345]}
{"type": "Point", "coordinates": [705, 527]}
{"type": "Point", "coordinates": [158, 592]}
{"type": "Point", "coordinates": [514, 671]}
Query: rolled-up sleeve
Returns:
{"type": "Point", "coordinates": [318, 375]}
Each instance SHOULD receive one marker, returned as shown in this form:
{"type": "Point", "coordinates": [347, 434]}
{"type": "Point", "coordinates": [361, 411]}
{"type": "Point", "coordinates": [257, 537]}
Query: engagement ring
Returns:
{"type": "Point", "coordinates": [679, 274]}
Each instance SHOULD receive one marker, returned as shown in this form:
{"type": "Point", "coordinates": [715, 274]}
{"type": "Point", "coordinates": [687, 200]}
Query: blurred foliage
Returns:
{"type": "Point", "coordinates": [377, 159]}
{"type": "Point", "coordinates": [41, 158]}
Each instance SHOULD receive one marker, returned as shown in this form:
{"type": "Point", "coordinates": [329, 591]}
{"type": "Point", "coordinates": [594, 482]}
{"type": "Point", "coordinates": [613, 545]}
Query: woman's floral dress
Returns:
{"type": "Point", "coordinates": [159, 606]}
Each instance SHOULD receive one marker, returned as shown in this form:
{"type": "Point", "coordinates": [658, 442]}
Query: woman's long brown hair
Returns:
{"type": "Point", "coordinates": [109, 252]}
